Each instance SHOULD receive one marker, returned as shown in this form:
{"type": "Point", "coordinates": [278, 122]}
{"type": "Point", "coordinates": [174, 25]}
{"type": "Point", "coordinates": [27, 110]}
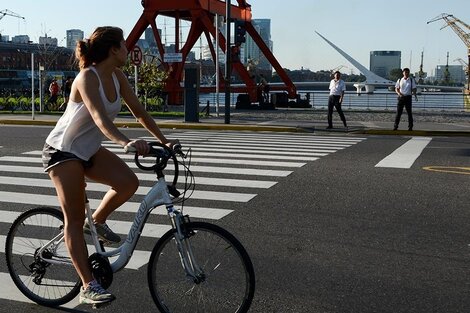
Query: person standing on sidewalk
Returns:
{"type": "Point", "coordinates": [54, 90]}
{"type": "Point", "coordinates": [405, 87]}
{"type": "Point", "coordinates": [337, 89]}
{"type": "Point", "coordinates": [66, 89]}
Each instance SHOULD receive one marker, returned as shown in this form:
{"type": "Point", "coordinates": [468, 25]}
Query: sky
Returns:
{"type": "Point", "coordinates": [355, 26]}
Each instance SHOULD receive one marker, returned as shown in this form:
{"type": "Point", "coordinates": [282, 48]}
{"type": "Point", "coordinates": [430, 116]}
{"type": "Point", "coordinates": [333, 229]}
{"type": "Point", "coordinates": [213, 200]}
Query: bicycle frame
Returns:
{"type": "Point", "coordinates": [158, 195]}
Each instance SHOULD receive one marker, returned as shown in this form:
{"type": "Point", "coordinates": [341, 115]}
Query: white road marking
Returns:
{"type": "Point", "coordinates": [130, 207]}
{"type": "Point", "coordinates": [292, 153]}
{"type": "Point", "coordinates": [406, 155]}
{"type": "Point", "coordinates": [194, 168]}
{"type": "Point", "coordinates": [11, 292]}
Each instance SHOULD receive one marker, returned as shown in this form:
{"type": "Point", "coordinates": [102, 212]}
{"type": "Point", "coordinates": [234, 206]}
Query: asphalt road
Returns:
{"type": "Point", "coordinates": [338, 234]}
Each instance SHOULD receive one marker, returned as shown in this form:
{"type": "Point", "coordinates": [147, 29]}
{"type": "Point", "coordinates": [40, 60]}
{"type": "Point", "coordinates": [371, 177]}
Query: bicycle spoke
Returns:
{"type": "Point", "coordinates": [41, 281]}
{"type": "Point", "coordinates": [227, 279]}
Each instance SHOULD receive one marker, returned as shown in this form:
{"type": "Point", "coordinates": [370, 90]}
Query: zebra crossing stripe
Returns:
{"type": "Point", "coordinates": [194, 168]}
{"type": "Point", "coordinates": [231, 160]}
{"type": "Point", "coordinates": [128, 207]}
{"type": "Point", "coordinates": [292, 153]}
{"type": "Point", "coordinates": [258, 143]}
{"type": "Point", "coordinates": [405, 155]}
{"type": "Point", "coordinates": [200, 180]}
{"type": "Point", "coordinates": [208, 156]}
{"type": "Point", "coordinates": [265, 136]}
{"type": "Point", "coordinates": [10, 292]}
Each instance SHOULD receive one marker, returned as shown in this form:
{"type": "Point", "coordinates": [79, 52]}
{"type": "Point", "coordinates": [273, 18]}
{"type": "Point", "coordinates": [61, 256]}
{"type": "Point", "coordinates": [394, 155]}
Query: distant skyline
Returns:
{"type": "Point", "coordinates": [357, 27]}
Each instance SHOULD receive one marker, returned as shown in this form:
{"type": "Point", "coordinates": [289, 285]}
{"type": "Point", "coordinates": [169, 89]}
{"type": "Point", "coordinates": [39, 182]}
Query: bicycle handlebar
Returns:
{"type": "Point", "coordinates": [162, 154]}
{"type": "Point", "coordinates": [177, 148]}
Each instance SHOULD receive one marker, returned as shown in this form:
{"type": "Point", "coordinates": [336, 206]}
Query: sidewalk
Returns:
{"type": "Point", "coordinates": [291, 120]}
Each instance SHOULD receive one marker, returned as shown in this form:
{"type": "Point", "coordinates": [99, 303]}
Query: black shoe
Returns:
{"type": "Point", "coordinates": [395, 128]}
{"type": "Point", "coordinates": [329, 127]}
{"type": "Point", "coordinates": [410, 128]}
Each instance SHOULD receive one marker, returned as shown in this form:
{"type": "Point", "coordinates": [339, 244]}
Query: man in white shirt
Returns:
{"type": "Point", "coordinates": [337, 89]}
{"type": "Point", "coordinates": [405, 87]}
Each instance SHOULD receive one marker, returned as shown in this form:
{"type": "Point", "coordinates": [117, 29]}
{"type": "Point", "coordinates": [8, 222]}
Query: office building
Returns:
{"type": "Point", "coordinates": [49, 41]}
{"type": "Point", "coordinates": [456, 74]}
{"type": "Point", "coordinates": [20, 39]}
{"type": "Point", "coordinates": [252, 51]}
{"type": "Point", "coordinates": [382, 62]}
{"type": "Point", "coordinates": [73, 35]}
{"type": "Point", "coordinates": [150, 38]}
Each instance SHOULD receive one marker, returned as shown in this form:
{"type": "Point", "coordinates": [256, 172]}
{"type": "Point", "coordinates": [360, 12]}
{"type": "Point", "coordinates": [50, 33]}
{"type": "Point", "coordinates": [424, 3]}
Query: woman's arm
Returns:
{"type": "Point", "coordinates": [138, 109]}
{"type": "Point", "coordinates": [87, 85]}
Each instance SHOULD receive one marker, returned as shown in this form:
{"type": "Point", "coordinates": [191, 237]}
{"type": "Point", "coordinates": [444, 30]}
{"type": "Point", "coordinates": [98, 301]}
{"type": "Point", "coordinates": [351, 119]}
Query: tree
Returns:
{"type": "Point", "coordinates": [395, 74]}
{"type": "Point", "coordinates": [150, 82]}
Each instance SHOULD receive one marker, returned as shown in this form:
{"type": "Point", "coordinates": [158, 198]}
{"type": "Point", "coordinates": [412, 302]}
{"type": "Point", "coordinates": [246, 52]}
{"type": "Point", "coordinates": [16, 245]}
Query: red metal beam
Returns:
{"type": "Point", "coordinates": [201, 13]}
{"type": "Point", "coordinates": [169, 7]}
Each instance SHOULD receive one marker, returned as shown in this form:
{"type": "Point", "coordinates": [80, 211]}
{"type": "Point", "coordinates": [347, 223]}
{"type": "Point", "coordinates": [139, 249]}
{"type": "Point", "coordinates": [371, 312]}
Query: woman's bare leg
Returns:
{"type": "Point", "coordinates": [69, 181]}
{"type": "Point", "coordinates": [110, 170]}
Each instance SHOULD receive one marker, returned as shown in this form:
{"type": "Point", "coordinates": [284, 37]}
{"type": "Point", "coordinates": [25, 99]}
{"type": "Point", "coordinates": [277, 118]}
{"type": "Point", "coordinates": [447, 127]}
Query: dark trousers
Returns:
{"type": "Point", "coordinates": [333, 101]}
{"type": "Point", "coordinates": [406, 102]}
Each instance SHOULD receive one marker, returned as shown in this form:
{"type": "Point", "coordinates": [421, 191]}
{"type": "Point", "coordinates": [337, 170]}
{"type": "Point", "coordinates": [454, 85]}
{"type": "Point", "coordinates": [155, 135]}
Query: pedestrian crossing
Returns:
{"type": "Point", "coordinates": [230, 169]}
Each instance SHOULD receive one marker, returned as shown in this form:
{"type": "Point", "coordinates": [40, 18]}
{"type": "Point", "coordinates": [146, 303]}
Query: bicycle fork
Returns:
{"type": "Point", "coordinates": [183, 244]}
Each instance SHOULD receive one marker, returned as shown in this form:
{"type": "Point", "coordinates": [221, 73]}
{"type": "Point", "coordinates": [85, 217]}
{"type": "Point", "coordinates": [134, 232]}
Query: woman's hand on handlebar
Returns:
{"type": "Point", "coordinates": [171, 143]}
{"type": "Point", "coordinates": [176, 146]}
{"type": "Point", "coordinates": [138, 146]}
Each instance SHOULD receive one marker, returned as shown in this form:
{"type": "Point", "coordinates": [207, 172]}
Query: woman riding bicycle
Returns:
{"type": "Point", "coordinates": [73, 150]}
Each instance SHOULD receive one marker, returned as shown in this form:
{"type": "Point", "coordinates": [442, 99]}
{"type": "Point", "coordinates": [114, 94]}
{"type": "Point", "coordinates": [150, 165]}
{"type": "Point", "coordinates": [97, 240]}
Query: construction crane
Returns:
{"type": "Point", "coordinates": [6, 12]}
{"type": "Point", "coordinates": [421, 71]}
{"type": "Point", "coordinates": [338, 68]}
{"type": "Point", "coordinates": [462, 30]}
{"type": "Point", "coordinates": [461, 61]}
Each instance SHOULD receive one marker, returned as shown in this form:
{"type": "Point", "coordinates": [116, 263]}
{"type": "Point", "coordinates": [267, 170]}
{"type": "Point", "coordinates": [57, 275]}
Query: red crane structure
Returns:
{"type": "Point", "coordinates": [201, 14]}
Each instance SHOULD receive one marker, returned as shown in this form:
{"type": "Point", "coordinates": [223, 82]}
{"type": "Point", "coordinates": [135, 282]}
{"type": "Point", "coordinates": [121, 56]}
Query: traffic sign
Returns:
{"type": "Point", "coordinates": [136, 55]}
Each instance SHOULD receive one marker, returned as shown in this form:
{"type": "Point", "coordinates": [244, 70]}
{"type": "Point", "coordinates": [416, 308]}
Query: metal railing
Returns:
{"type": "Point", "coordinates": [388, 101]}
{"type": "Point", "coordinates": [380, 101]}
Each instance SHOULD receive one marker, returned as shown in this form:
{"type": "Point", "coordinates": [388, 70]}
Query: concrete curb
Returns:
{"type": "Point", "coordinates": [431, 133]}
{"type": "Point", "coordinates": [257, 128]}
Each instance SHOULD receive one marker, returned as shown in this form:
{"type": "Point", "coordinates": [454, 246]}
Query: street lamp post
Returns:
{"type": "Point", "coordinates": [217, 65]}
{"type": "Point", "coordinates": [228, 64]}
{"type": "Point", "coordinates": [41, 96]}
{"type": "Point", "coordinates": [32, 85]}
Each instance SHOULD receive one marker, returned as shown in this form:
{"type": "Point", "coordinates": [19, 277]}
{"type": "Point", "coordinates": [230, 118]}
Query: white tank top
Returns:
{"type": "Point", "coordinates": [76, 132]}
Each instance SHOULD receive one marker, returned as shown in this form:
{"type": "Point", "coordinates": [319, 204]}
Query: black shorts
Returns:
{"type": "Point", "coordinates": [52, 157]}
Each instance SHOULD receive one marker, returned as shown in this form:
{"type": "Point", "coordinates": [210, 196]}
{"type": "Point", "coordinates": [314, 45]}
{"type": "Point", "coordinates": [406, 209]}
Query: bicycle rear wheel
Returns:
{"type": "Point", "coordinates": [42, 282]}
{"type": "Point", "coordinates": [228, 282]}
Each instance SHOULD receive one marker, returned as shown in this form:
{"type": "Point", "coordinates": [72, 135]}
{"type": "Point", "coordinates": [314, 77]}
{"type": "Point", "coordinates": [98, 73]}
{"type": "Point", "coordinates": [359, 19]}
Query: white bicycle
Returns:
{"type": "Point", "coordinates": [194, 267]}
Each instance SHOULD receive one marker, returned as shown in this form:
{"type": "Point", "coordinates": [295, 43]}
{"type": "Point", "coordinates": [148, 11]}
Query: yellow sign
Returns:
{"type": "Point", "coordinates": [449, 169]}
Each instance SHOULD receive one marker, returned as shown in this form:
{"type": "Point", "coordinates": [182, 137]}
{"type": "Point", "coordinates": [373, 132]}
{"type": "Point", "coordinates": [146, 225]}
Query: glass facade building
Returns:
{"type": "Point", "coordinates": [382, 62]}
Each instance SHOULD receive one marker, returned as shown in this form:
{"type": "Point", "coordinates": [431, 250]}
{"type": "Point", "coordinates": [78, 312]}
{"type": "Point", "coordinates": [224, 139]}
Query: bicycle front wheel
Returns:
{"type": "Point", "coordinates": [47, 278]}
{"type": "Point", "coordinates": [227, 281]}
